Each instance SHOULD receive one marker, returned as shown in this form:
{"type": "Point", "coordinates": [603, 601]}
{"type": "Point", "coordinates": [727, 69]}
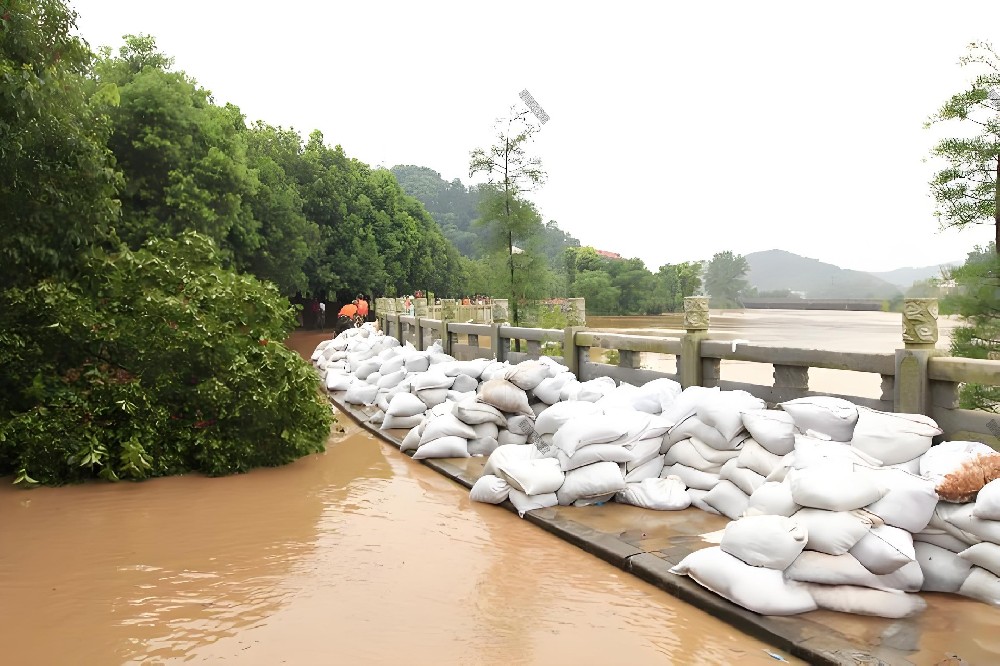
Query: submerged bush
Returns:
{"type": "Point", "coordinates": [151, 363]}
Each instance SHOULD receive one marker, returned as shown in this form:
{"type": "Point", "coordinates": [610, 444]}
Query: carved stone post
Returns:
{"type": "Point", "coordinates": [500, 310]}
{"type": "Point", "coordinates": [577, 314]}
{"type": "Point", "coordinates": [911, 390]}
{"type": "Point", "coordinates": [696, 318]}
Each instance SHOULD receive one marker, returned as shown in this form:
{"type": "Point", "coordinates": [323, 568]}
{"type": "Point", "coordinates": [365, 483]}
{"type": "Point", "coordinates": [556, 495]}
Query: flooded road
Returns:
{"type": "Point", "coordinates": [356, 555]}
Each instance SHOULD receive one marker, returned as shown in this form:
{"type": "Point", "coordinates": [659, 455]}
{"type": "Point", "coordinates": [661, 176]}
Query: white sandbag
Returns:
{"type": "Point", "coordinates": [432, 397]}
{"type": "Point", "coordinates": [941, 540]}
{"type": "Point", "coordinates": [418, 362]}
{"type": "Point", "coordinates": [815, 567]}
{"type": "Point", "coordinates": [772, 499]}
{"type": "Point", "coordinates": [771, 428]}
{"type": "Point", "coordinates": [532, 477]}
{"type": "Point", "coordinates": [520, 424]}
{"type": "Point", "coordinates": [548, 389]}
{"type": "Point", "coordinates": [697, 496]}
{"type": "Point", "coordinates": [593, 453]}
{"type": "Point", "coordinates": [686, 403]}
{"type": "Point", "coordinates": [746, 480]}
{"type": "Point", "coordinates": [506, 397]}
{"type": "Point", "coordinates": [866, 601]}
{"type": "Point", "coordinates": [504, 454]}
{"type": "Point", "coordinates": [474, 412]}
{"type": "Point", "coordinates": [553, 418]}
{"type": "Point", "coordinates": [338, 382]}
{"type": "Point", "coordinates": [764, 541]}
{"type": "Point", "coordinates": [593, 480]}
{"type": "Point", "coordinates": [982, 586]}
{"type": "Point", "coordinates": [482, 446]}
{"type": "Point", "coordinates": [833, 532]}
{"type": "Point", "coordinates": [412, 439]}
{"type": "Point", "coordinates": [728, 500]}
{"type": "Point", "coordinates": [715, 455]}
{"type": "Point", "coordinates": [526, 375]}
{"type": "Point", "coordinates": [692, 478]}
{"type": "Point", "coordinates": [473, 368]}
{"type": "Point", "coordinates": [570, 390]}
{"type": "Point", "coordinates": [833, 417]}
{"type": "Point", "coordinates": [525, 503]}
{"type": "Point", "coordinates": [506, 437]}
{"type": "Point", "coordinates": [686, 453]}
{"type": "Point", "coordinates": [553, 366]}
{"type": "Point", "coordinates": [884, 549]}
{"type": "Point", "coordinates": [490, 489]}
{"type": "Point", "coordinates": [584, 430]}
{"type": "Point", "coordinates": [649, 470]}
{"type": "Point", "coordinates": [722, 411]}
{"type": "Point", "coordinates": [893, 437]}
{"type": "Point", "coordinates": [755, 457]}
{"type": "Point", "coordinates": [811, 451]}
{"type": "Point", "coordinates": [457, 396]}
{"type": "Point", "coordinates": [942, 522]}
{"type": "Point", "coordinates": [392, 364]}
{"type": "Point", "coordinates": [464, 384]}
{"type": "Point", "coordinates": [909, 466]}
{"type": "Point", "coordinates": [443, 409]}
{"type": "Point", "coordinates": [432, 380]}
{"type": "Point", "coordinates": [594, 390]}
{"type": "Point", "coordinates": [405, 404]}
{"type": "Point", "coordinates": [909, 502]}
{"type": "Point", "coordinates": [361, 394]}
{"type": "Point", "coordinates": [692, 427]}
{"type": "Point", "coordinates": [985, 555]}
{"type": "Point", "coordinates": [367, 368]}
{"type": "Point", "coordinates": [620, 397]}
{"type": "Point", "coordinates": [664, 390]}
{"type": "Point", "coordinates": [643, 451]}
{"type": "Point", "coordinates": [485, 430]}
{"type": "Point", "coordinates": [757, 589]}
{"type": "Point", "coordinates": [988, 501]}
{"type": "Point", "coordinates": [985, 530]}
{"type": "Point", "coordinates": [833, 488]}
{"type": "Point", "coordinates": [944, 571]}
{"type": "Point", "coordinates": [376, 418]}
{"type": "Point", "coordinates": [669, 494]}
{"type": "Point", "coordinates": [447, 425]}
{"type": "Point", "coordinates": [443, 447]}
{"type": "Point", "coordinates": [947, 457]}
{"type": "Point", "coordinates": [375, 378]}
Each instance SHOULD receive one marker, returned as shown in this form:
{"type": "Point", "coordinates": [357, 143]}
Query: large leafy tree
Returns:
{"type": "Point", "coordinates": [511, 173]}
{"type": "Point", "coordinates": [967, 188]}
{"type": "Point", "coordinates": [676, 281]}
{"type": "Point", "coordinates": [725, 278]}
{"type": "Point", "coordinates": [58, 186]}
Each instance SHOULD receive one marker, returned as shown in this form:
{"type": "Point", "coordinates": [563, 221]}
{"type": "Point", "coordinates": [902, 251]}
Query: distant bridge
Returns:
{"type": "Point", "coordinates": [813, 303]}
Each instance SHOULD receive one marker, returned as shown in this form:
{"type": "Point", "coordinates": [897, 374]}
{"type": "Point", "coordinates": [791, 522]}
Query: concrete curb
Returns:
{"type": "Point", "coordinates": [803, 638]}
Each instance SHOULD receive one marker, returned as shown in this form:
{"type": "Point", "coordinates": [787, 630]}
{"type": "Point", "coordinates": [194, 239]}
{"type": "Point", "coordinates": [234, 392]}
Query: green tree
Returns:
{"type": "Point", "coordinates": [725, 278]}
{"type": "Point", "coordinates": [511, 173]}
{"type": "Point", "coordinates": [676, 281]}
{"type": "Point", "coordinates": [967, 189]}
{"type": "Point", "coordinates": [57, 191]}
{"type": "Point", "coordinates": [599, 291]}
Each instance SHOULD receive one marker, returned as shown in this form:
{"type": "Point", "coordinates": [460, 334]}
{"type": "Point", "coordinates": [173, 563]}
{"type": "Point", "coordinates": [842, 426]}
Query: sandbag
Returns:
{"type": "Point", "coordinates": [771, 428]}
{"type": "Point", "coordinates": [503, 454]}
{"type": "Point", "coordinates": [338, 382]}
{"type": "Point", "coordinates": [411, 441]}
{"type": "Point", "coordinates": [941, 540]}
{"type": "Point", "coordinates": [525, 503]}
{"type": "Point", "coordinates": [942, 522]}
{"type": "Point", "coordinates": [833, 488]}
{"type": "Point", "coordinates": [490, 489]}
{"type": "Point", "coordinates": [593, 480]}
{"type": "Point", "coordinates": [893, 437]}
{"type": "Point", "coordinates": [649, 470]}
{"type": "Point", "coordinates": [375, 378]}
{"type": "Point", "coordinates": [591, 454]}
{"type": "Point", "coordinates": [405, 404]}
{"type": "Point", "coordinates": [663, 389]}
{"type": "Point", "coordinates": [474, 412]}
{"type": "Point", "coordinates": [526, 375]}
{"type": "Point", "coordinates": [361, 394]}
{"type": "Point", "coordinates": [686, 403]}
{"type": "Point", "coordinates": [432, 397]}
{"type": "Point", "coordinates": [982, 586]}
{"type": "Point", "coordinates": [746, 480]}
{"type": "Point", "coordinates": [642, 451]}
{"type": "Point", "coordinates": [985, 555]}
{"type": "Point", "coordinates": [506, 397]}
{"type": "Point", "coordinates": [833, 417]}
{"type": "Point", "coordinates": [592, 429]}
{"type": "Point", "coordinates": [772, 499]}
{"type": "Point", "coordinates": [727, 499]}
{"type": "Point", "coordinates": [482, 446]}
{"type": "Point", "coordinates": [833, 532]}
{"type": "Point", "coordinates": [418, 362]}
{"type": "Point", "coordinates": [392, 364]}
{"type": "Point", "coordinates": [909, 502]}
{"type": "Point", "coordinates": [722, 411]}
{"type": "Point", "coordinates": [884, 549]}
{"type": "Point", "coordinates": [866, 601]}
{"type": "Point", "coordinates": [377, 417]}
{"type": "Point", "coordinates": [692, 478]}
{"type": "Point", "coordinates": [669, 494]}
{"type": "Point", "coordinates": [367, 368]}
{"type": "Point", "coordinates": [943, 570]}
{"type": "Point", "coordinates": [594, 501]}
{"type": "Point", "coordinates": [432, 380]}
{"type": "Point", "coordinates": [988, 501]}
{"type": "Point", "coordinates": [985, 530]}
{"type": "Point", "coordinates": [686, 453]}
{"type": "Point", "coordinates": [693, 427]}
{"type": "Point", "coordinates": [447, 425]}
{"type": "Point", "coordinates": [458, 396]}
{"type": "Point", "coordinates": [548, 389]}
{"type": "Point", "coordinates": [594, 389]}
{"type": "Point", "coordinates": [815, 567]}
{"type": "Point", "coordinates": [532, 477]}
{"type": "Point", "coordinates": [811, 451]}
{"type": "Point", "coordinates": [487, 429]}
{"type": "Point", "coordinates": [443, 447]}
{"type": "Point", "coordinates": [755, 457]}
{"type": "Point", "coordinates": [963, 484]}
{"type": "Point", "coordinates": [764, 541]}
{"type": "Point", "coordinates": [464, 383]}
{"type": "Point", "coordinates": [505, 437]}
{"type": "Point", "coordinates": [757, 589]}
{"type": "Point", "coordinates": [553, 418]}
{"type": "Point", "coordinates": [698, 500]}
{"type": "Point", "coordinates": [947, 457]}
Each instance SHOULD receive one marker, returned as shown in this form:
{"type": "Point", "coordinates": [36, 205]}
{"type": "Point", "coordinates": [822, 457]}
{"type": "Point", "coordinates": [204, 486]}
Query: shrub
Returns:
{"type": "Point", "coordinates": [153, 362]}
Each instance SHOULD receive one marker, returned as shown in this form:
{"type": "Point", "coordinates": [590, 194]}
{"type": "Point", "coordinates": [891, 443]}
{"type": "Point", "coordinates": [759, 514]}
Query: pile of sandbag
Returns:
{"type": "Point", "coordinates": [832, 505]}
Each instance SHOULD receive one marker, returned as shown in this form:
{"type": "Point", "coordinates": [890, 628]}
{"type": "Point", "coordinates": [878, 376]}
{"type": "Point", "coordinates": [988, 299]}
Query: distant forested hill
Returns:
{"type": "Point", "coordinates": [774, 270]}
{"type": "Point", "coordinates": [454, 207]}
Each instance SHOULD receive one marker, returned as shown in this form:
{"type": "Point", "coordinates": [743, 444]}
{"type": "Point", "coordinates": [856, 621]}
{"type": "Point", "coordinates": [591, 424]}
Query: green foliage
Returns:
{"type": "Point", "coordinates": [57, 187]}
{"type": "Point", "coordinates": [599, 291]}
{"type": "Point", "coordinates": [967, 189]}
{"type": "Point", "coordinates": [612, 357]}
{"type": "Point", "coordinates": [674, 282]}
{"type": "Point", "coordinates": [977, 300]}
{"type": "Point", "coordinates": [725, 279]}
{"type": "Point", "coordinates": [154, 362]}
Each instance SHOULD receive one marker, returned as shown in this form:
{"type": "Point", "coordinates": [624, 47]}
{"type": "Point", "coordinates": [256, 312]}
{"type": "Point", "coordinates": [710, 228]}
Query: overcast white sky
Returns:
{"type": "Point", "coordinates": [677, 129]}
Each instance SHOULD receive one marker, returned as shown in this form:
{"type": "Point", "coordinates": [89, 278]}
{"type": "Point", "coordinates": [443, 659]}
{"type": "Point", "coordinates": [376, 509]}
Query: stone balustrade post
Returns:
{"type": "Point", "coordinates": [911, 389]}
{"type": "Point", "coordinates": [689, 364]}
{"type": "Point", "coordinates": [571, 352]}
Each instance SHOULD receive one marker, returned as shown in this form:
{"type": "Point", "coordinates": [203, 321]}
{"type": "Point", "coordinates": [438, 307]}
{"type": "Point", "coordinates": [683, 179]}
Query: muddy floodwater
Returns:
{"type": "Point", "coordinates": [358, 555]}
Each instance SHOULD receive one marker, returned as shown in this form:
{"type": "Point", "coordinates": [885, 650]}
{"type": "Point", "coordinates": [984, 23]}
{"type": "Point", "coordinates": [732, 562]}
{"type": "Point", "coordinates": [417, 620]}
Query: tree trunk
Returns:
{"type": "Point", "coordinates": [996, 209]}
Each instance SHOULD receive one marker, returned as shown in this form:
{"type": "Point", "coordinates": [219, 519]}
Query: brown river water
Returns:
{"type": "Point", "coordinates": [358, 555]}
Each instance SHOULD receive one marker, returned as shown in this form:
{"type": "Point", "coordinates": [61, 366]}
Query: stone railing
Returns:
{"type": "Point", "coordinates": [917, 378]}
